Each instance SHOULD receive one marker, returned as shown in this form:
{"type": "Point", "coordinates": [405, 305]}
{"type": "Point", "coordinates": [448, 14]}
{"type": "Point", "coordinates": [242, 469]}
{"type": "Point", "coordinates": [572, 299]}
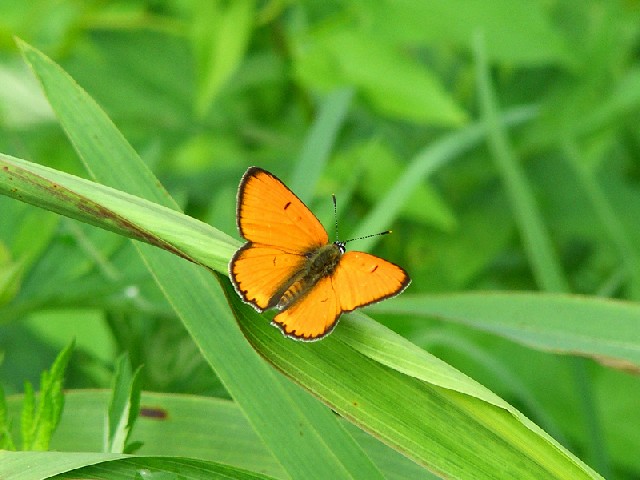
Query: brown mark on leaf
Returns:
{"type": "Point", "coordinates": [155, 413]}
{"type": "Point", "coordinates": [97, 211]}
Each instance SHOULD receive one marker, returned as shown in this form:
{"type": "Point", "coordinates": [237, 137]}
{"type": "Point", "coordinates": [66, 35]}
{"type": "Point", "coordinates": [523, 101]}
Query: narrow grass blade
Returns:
{"type": "Point", "coordinates": [319, 142]}
{"type": "Point", "coordinates": [535, 238]}
{"type": "Point", "coordinates": [116, 211]}
{"type": "Point", "coordinates": [607, 216]}
{"type": "Point", "coordinates": [39, 465]}
{"type": "Point", "coordinates": [361, 338]}
{"type": "Point", "coordinates": [123, 408]}
{"type": "Point", "coordinates": [271, 405]}
{"type": "Point", "coordinates": [452, 434]}
{"type": "Point", "coordinates": [606, 330]}
{"type": "Point", "coordinates": [425, 163]}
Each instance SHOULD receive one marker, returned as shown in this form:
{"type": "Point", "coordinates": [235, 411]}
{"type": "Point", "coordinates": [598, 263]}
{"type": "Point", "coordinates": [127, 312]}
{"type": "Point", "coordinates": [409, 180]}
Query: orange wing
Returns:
{"type": "Point", "coordinates": [270, 214]}
{"type": "Point", "coordinates": [313, 316]}
{"type": "Point", "coordinates": [280, 230]}
{"type": "Point", "coordinates": [361, 279]}
{"type": "Point", "coordinates": [258, 273]}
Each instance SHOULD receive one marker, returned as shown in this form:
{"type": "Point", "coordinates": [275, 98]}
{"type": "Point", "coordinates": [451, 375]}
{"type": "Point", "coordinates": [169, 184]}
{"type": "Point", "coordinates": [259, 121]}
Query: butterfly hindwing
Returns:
{"type": "Point", "coordinates": [359, 279]}
{"type": "Point", "coordinates": [314, 315]}
{"type": "Point", "coordinates": [269, 213]}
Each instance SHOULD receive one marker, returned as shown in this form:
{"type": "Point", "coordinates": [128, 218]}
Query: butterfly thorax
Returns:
{"type": "Point", "coordinates": [320, 263]}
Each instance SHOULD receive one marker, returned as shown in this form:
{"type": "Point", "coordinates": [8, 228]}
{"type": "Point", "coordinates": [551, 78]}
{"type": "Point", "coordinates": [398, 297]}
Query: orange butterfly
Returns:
{"type": "Point", "coordinates": [288, 263]}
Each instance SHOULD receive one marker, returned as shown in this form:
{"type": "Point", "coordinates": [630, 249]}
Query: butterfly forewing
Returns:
{"type": "Point", "coordinates": [259, 271]}
{"type": "Point", "coordinates": [270, 214]}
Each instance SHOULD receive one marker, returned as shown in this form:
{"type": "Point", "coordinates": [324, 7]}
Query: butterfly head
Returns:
{"type": "Point", "coordinates": [341, 246]}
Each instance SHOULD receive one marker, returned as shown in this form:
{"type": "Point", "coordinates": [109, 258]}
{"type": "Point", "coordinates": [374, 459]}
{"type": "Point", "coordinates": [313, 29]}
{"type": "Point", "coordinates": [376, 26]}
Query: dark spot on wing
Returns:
{"type": "Point", "coordinates": [374, 269]}
{"type": "Point", "coordinates": [287, 205]}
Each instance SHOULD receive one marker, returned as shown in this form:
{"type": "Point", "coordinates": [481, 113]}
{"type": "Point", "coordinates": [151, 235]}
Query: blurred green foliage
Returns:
{"type": "Point", "coordinates": [204, 89]}
{"type": "Point", "coordinates": [39, 418]}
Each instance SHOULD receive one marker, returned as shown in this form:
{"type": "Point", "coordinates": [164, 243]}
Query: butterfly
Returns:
{"type": "Point", "coordinates": [288, 263]}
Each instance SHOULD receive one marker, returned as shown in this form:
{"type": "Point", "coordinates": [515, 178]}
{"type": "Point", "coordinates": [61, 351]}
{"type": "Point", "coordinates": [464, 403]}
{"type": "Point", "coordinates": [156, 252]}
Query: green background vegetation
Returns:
{"type": "Point", "coordinates": [498, 139]}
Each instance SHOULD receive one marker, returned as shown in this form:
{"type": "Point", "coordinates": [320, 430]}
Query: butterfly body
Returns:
{"type": "Point", "coordinates": [289, 264]}
{"type": "Point", "coordinates": [321, 263]}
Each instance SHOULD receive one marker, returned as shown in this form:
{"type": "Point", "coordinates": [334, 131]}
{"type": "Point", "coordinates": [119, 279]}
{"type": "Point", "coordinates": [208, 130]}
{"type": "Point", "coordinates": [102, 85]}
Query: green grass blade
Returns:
{"type": "Point", "coordinates": [6, 436]}
{"type": "Point", "coordinates": [607, 215]}
{"type": "Point", "coordinates": [207, 428]}
{"type": "Point", "coordinates": [93, 135]}
{"type": "Point", "coordinates": [385, 349]}
{"type": "Point", "coordinates": [220, 34]}
{"type": "Point", "coordinates": [537, 242]}
{"type": "Point", "coordinates": [319, 142]}
{"type": "Point", "coordinates": [116, 211]}
{"type": "Point", "coordinates": [124, 406]}
{"type": "Point", "coordinates": [606, 330]}
{"type": "Point", "coordinates": [271, 405]}
{"type": "Point", "coordinates": [452, 434]}
{"type": "Point", "coordinates": [425, 163]}
{"type": "Point", "coordinates": [535, 238]}
{"type": "Point", "coordinates": [39, 465]}
{"type": "Point", "coordinates": [27, 418]}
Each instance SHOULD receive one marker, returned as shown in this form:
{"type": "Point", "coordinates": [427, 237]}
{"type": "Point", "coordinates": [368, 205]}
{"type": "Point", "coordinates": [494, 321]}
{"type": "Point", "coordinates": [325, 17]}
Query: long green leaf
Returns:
{"type": "Point", "coordinates": [40, 465]}
{"type": "Point", "coordinates": [536, 240]}
{"type": "Point", "coordinates": [319, 142]}
{"type": "Point", "coordinates": [454, 434]}
{"type": "Point", "coordinates": [207, 428]}
{"type": "Point", "coordinates": [607, 330]}
{"type": "Point", "coordinates": [535, 237]}
{"type": "Point", "coordinates": [272, 405]}
{"type": "Point", "coordinates": [424, 164]}
{"type": "Point", "coordinates": [408, 375]}
{"type": "Point", "coordinates": [116, 211]}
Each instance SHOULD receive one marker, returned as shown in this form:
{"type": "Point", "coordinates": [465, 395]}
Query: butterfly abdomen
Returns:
{"type": "Point", "coordinates": [321, 263]}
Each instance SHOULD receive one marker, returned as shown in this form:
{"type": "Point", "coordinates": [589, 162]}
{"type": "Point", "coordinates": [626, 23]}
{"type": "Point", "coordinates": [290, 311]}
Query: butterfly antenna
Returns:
{"type": "Point", "coordinates": [335, 213]}
{"type": "Point", "coordinates": [368, 236]}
